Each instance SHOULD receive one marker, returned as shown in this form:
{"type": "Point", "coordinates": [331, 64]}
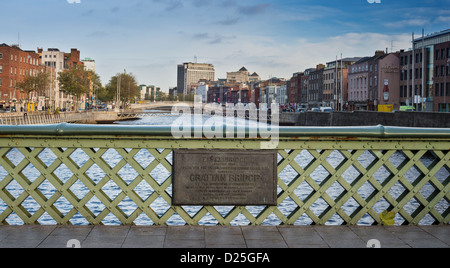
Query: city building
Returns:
{"type": "Point", "coordinates": [294, 89]}
{"type": "Point", "coordinates": [57, 61]}
{"type": "Point", "coordinates": [374, 81]}
{"type": "Point", "coordinates": [190, 73]}
{"type": "Point", "coordinates": [273, 90]}
{"type": "Point", "coordinates": [304, 88]}
{"type": "Point", "coordinates": [15, 65]}
{"type": "Point", "coordinates": [89, 64]}
{"type": "Point", "coordinates": [149, 93]}
{"type": "Point", "coordinates": [424, 73]}
{"type": "Point", "coordinates": [73, 59]}
{"type": "Point", "coordinates": [202, 90]}
{"type": "Point", "coordinates": [220, 93]}
{"type": "Point", "coordinates": [282, 97]}
{"type": "Point", "coordinates": [253, 78]}
{"type": "Point", "coordinates": [54, 60]}
{"type": "Point", "coordinates": [442, 77]}
{"type": "Point", "coordinates": [412, 80]}
{"type": "Point", "coordinates": [384, 81]}
{"type": "Point", "coordinates": [335, 88]}
{"type": "Point", "coordinates": [241, 76]}
{"type": "Point", "coordinates": [315, 87]}
{"type": "Point", "coordinates": [358, 85]}
{"type": "Point", "coordinates": [435, 75]}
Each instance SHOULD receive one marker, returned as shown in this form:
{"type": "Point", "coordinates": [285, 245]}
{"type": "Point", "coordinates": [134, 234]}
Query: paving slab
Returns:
{"type": "Point", "coordinates": [32, 236]}
{"type": "Point", "coordinates": [226, 237]}
{"type": "Point", "coordinates": [302, 237]}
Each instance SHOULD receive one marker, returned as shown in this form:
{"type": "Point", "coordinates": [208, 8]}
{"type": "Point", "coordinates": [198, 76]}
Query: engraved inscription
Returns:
{"type": "Point", "coordinates": [225, 177]}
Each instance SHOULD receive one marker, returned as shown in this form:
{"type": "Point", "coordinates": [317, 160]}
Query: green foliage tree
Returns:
{"type": "Point", "coordinates": [78, 81]}
{"type": "Point", "coordinates": [129, 88]}
{"type": "Point", "coordinates": [35, 83]}
{"type": "Point", "coordinates": [38, 83]}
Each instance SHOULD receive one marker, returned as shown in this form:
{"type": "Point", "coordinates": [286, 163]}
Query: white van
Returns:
{"type": "Point", "coordinates": [326, 109]}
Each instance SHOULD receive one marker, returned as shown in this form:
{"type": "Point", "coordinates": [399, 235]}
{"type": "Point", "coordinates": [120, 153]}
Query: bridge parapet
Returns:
{"type": "Point", "coordinates": [72, 174]}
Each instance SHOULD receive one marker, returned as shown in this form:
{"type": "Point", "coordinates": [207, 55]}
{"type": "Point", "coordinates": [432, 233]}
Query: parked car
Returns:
{"type": "Point", "coordinates": [326, 109]}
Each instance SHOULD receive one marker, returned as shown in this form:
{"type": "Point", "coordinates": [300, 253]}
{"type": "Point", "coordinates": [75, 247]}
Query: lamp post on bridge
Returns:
{"type": "Point", "coordinates": [447, 65]}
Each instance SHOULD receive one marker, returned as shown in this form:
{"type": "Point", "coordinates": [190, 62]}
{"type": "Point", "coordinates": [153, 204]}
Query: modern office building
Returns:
{"type": "Point", "coordinates": [190, 73]}
{"type": "Point", "coordinates": [425, 75]}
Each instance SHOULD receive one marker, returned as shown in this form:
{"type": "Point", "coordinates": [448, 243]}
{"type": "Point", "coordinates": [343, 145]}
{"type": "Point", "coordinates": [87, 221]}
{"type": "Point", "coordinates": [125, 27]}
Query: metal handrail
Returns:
{"type": "Point", "coordinates": [379, 131]}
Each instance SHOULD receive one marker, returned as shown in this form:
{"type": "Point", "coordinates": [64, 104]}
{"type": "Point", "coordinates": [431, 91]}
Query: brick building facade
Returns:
{"type": "Point", "coordinates": [15, 65]}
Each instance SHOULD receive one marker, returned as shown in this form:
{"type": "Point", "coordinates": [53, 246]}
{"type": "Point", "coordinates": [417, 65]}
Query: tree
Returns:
{"type": "Point", "coordinates": [35, 83]}
{"type": "Point", "coordinates": [129, 88]}
{"type": "Point", "coordinates": [77, 81]}
{"type": "Point", "coordinates": [38, 83]}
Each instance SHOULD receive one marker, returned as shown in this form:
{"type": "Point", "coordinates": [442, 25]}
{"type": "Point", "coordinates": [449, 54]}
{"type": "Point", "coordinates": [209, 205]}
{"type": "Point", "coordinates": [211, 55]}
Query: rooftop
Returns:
{"type": "Point", "coordinates": [433, 35]}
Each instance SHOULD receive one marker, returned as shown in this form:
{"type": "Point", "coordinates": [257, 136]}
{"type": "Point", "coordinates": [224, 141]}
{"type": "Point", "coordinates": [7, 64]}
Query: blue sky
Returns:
{"type": "Point", "coordinates": [273, 38]}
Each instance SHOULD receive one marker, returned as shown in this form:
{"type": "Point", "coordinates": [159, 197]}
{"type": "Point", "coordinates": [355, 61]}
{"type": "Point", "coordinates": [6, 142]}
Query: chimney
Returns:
{"type": "Point", "coordinates": [379, 53]}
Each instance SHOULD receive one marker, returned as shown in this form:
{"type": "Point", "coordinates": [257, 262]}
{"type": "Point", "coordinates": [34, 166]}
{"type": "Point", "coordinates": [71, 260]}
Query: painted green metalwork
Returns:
{"type": "Point", "coordinates": [335, 190]}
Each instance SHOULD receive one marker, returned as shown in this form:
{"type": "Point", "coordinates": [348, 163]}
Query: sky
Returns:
{"type": "Point", "coordinates": [149, 38]}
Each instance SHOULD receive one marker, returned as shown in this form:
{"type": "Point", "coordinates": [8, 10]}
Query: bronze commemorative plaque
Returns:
{"type": "Point", "coordinates": [224, 177]}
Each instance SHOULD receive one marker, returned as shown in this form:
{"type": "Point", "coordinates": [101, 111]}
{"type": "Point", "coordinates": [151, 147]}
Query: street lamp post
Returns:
{"type": "Point", "coordinates": [445, 84]}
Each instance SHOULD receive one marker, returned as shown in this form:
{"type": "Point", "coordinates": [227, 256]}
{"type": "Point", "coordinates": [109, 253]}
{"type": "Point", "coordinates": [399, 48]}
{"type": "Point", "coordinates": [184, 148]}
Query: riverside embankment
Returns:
{"type": "Point", "coordinates": [89, 117]}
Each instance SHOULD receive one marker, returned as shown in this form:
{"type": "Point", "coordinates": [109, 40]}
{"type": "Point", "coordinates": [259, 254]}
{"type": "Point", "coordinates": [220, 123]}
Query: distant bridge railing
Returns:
{"type": "Point", "coordinates": [72, 174]}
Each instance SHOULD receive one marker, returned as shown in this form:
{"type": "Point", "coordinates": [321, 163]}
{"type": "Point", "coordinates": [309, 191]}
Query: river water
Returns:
{"type": "Point", "coordinates": [160, 206]}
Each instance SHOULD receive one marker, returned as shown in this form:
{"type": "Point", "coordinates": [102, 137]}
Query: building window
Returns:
{"type": "Point", "coordinates": [1, 56]}
{"type": "Point", "coordinates": [1, 81]}
{"type": "Point", "coordinates": [1, 69]}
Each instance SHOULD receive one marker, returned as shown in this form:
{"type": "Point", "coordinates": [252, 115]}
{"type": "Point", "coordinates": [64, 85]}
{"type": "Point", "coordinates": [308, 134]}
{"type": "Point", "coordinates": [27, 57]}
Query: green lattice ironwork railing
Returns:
{"type": "Point", "coordinates": [69, 174]}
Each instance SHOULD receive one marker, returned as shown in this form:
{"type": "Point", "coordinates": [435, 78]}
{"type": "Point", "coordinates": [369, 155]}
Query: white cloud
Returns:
{"type": "Point", "coordinates": [268, 56]}
{"type": "Point", "coordinates": [271, 57]}
{"type": "Point", "coordinates": [350, 45]}
{"type": "Point", "coordinates": [443, 19]}
{"type": "Point", "coordinates": [408, 22]}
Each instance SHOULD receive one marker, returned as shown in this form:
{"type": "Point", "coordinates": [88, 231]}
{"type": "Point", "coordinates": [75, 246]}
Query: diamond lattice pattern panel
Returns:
{"type": "Point", "coordinates": [85, 185]}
